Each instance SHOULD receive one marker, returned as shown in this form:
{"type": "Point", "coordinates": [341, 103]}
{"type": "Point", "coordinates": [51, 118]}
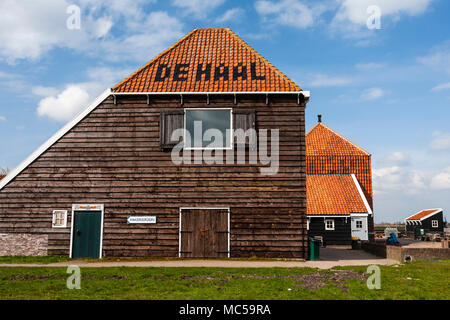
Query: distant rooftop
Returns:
{"type": "Point", "coordinates": [424, 214]}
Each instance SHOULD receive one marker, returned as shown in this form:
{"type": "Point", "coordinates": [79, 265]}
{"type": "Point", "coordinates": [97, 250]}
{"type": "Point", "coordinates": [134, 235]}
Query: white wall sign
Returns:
{"type": "Point", "coordinates": [141, 219]}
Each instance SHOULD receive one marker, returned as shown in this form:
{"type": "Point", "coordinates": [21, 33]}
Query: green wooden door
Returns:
{"type": "Point", "coordinates": [87, 228]}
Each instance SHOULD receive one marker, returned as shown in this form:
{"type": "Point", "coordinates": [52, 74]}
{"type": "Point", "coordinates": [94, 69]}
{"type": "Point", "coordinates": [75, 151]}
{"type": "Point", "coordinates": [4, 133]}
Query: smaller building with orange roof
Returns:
{"type": "Point", "coordinates": [338, 187]}
{"type": "Point", "coordinates": [425, 221]}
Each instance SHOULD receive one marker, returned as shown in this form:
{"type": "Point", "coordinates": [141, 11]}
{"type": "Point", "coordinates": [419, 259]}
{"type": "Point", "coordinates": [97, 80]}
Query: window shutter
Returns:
{"type": "Point", "coordinates": [169, 122]}
{"type": "Point", "coordinates": [245, 119]}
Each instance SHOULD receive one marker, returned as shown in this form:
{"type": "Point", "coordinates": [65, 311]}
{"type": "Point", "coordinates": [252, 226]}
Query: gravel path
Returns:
{"type": "Point", "coordinates": [329, 258]}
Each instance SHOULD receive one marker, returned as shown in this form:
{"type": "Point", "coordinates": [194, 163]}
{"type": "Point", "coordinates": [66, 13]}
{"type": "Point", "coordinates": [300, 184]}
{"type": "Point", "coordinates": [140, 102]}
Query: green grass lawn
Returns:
{"type": "Point", "coordinates": [58, 258]}
{"type": "Point", "coordinates": [416, 280]}
{"type": "Point", "coordinates": [32, 260]}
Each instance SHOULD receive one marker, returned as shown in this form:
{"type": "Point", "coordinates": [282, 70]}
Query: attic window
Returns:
{"type": "Point", "coordinates": [59, 219]}
{"type": "Point", "coordinates": [434, 223]}
{"type": "Point", "coordinates": [208, 129]}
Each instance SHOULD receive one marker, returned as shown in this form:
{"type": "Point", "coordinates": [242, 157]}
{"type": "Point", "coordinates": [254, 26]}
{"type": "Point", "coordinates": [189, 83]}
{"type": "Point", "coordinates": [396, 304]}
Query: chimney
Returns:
{"type": "Point", "coordinates": [319, 117]}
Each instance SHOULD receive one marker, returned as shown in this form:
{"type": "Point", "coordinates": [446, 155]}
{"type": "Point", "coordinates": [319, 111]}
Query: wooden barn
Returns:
{"type": "Point", "coordinates": [339, 187]}
{"type": "Point", "coordinates": [429, 220]}
{"type": "Point", "coordinates": [107, 183]}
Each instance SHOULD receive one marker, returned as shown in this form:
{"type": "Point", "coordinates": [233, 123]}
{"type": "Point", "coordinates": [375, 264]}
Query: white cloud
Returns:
{"type": "Point", "coordinates": [418, 180]}
{"type": "Point", "coordinates": [369, 66]}
{"type": "Point", "coordinates": [355, 11]}
{"type": "Point", "coordinates": [125, 8]}
{"type": "Point", "coordinates": [350, 20]}
{"type": "Point", "coordinates": [291, 13]}
{"type": "Point", "coordinates": [407, 182]}
{"type": "Point", "coordinates": [102, 26]}
{"type": "Point", "coordinates": [322, 80]}
{"type": "Point", "coordinates": [65, 105]}
{"type": "Point", "coordinates": [31, 28]}
{"type": "Point", "coordinates": [13, 82]}
{"type": "Point", "coordinates": [442, 86]}
{"type": "Point", "coordinates": [199, 8]}
{"type": "Point", "coordinates": [4, 75]}
{"type": "Point", "coordinates": [399, 179]}
{"type": "Point", "coordinates": [28, 28]}
{"type": "Point", "coordinates": [232, 14]}
{"type": "Point", "coordinates": [441, 180]}
{"type": "Point", "coordinates": [372, 94]}
{"type": "Point", "coordinates": [157, 32]}
{"type": "Point", "coordinates": [44, 91]}
{"type": "Point", "coordinates": [398, 158]}
{"type": "Point", "coordinates": [2, 118]}
{"type": "Point", "coordinates": [386, 178]}
{"type": "Point", "coordinates": [441, 141]}
{"type": "Point", "coordinates": [439, 58]}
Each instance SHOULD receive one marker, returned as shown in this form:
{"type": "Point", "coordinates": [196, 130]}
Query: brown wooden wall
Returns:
{"type": "Point", "coordinates": [113, 157]}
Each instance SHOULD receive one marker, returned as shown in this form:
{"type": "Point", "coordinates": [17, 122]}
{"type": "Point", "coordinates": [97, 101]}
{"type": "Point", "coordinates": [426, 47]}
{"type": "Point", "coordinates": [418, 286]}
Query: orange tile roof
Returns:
{"type": "Point", "coordinates": [322, 140]}
{"type": "Point", "coordinates": [2, 176]}
{"type": "Point", "coordinates": [333, 195]}
{"type": "Point", "coordinates": [328, 152]}
{"type": "Point", "coordinates": [423, 214]}
{"type": "Point", "coordinates": [208, 60]}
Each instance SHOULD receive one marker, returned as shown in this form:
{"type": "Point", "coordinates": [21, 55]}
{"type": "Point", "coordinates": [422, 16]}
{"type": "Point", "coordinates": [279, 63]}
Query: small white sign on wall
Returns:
{"type": "Point", "coordinates": [141, 219]}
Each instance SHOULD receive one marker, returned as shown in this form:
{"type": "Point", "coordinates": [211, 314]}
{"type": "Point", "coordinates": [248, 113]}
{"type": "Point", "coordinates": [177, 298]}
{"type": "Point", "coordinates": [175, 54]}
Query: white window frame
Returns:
{"type": "Point", "coordinates": [434, 223]}
{"type": "Point", "coordinates": [54, 225]}
{"type": "Point", "coordinates": [326, 224]}
{"type": "Point", "coordinates": [357, 222]}
{"type": "Point", "coordinates": [206, 148]}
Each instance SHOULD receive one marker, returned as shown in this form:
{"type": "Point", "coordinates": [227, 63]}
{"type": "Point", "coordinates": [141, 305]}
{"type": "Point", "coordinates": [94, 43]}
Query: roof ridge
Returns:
{"type": "Point", "coordinates": [173, 46]}
{"type": "Point", "coordinates": [432, 212]}
{"type": "Point", "coordinates": [329, 174]}
{"type": "Point", "coordinates": [262, 58]}
{"type": "Point", "coordinates": [312, 128]}
{"type": "Point", "coordinates": [339, 135]}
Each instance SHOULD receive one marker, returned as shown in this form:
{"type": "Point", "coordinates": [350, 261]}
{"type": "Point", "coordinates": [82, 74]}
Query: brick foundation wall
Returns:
{"type": "Point", "coordinates": [394, 253]}
{"type": "Point", "coordinates": [424, 254]}
{"type": "Point", "coordinates": [400, 253]}
{"type": "Point", "coordinates": [23, 244]}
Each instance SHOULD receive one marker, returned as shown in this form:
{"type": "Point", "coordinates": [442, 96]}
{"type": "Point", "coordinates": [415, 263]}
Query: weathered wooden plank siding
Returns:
{"type": "Point", "coordinates": [113, 157]}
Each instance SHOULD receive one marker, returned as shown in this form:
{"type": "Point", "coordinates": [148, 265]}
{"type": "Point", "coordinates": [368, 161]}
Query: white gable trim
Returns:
{"type": "Point", "coordinates": [54, 138]}
{"type": "Point", "coordinates": [359, 214]}
{"type": "Point", "coordinates": [436, 210]}
{"type": "Point", "coordinates": [361, 193]}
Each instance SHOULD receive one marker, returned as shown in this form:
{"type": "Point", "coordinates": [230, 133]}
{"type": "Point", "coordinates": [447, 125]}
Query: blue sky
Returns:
{"type": "Point", "coordinates": [386, 89]}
